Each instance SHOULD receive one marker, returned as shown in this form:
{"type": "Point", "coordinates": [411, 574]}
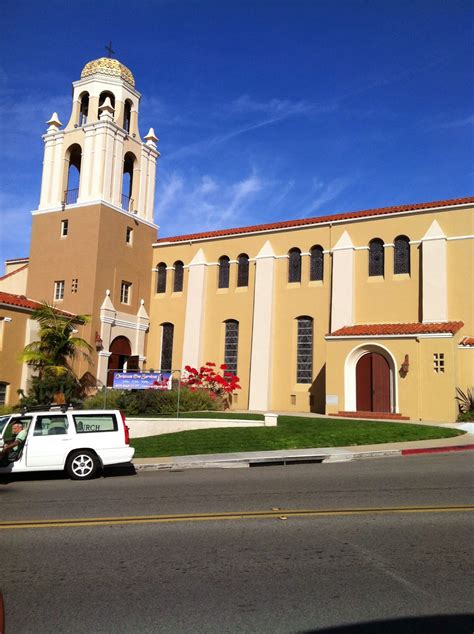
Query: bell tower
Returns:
{"type": "Point", "coordinates": [92, 234]}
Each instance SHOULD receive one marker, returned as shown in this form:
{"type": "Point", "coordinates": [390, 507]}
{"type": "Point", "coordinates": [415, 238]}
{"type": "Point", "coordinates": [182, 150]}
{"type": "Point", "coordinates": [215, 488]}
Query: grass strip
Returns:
{"type": "Point", "coordinates": [292, 432]}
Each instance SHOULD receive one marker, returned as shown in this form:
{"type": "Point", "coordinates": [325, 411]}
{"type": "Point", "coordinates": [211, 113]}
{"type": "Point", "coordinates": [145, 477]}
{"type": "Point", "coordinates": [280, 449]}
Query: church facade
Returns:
{"type": "Point", "coordinates": [369, 311]}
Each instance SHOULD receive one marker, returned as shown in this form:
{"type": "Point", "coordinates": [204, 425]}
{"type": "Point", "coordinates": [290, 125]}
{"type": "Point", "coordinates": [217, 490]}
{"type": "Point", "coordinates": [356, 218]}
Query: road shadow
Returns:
{"type": "Point", "coordinates": [114, 471]}
{"type": "Point", "coordinates": [437, 624]}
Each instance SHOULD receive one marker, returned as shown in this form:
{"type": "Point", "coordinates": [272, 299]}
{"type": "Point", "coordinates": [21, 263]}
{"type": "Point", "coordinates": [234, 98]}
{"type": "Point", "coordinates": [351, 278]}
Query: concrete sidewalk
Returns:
{"type": "Point", "coordinates": [294, 456]}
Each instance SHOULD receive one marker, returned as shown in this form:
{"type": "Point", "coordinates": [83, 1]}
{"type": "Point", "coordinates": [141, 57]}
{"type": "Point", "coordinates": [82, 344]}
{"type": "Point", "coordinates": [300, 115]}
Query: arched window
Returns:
{"type": "Point", "coordinates": [316, 272]}
{"type": "Point", "coordinates": [127, 181]}
{"type": "Point", "coordinates": [304, 350]}
{"type": "Point", "coordinates": [161, 278]}
{"type": "Point", "coordinates": [178, 276]}
{"type": "Point", "coordinates": [83, 109]}
{"type": "Point", "coordinates": [73, 156]}
{"type": "Point", "coordinates": [294, 265]}
{"type": "Point", "coordinates": [231, 345]}
{"type": "Point", "coordinates": [376, 257]}
{"type": "Point", "coordinates": [243, 270]}
{"type": "Point", "coordinates": [401, 258]}
{"type": "Point", "coordinates": [127, 115]}
{"type": "Point", "coordinates": [167, 333]}
{"type": "Point", "coordinates": [103, 96]}
{"type": "Point", "coordinates": [224, 271]}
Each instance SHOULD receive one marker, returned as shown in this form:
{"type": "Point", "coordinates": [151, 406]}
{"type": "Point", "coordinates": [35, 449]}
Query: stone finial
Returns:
{"type": "Point", "coordinates": [107, 111]}
{"type": "Point", "coordinates": [151, 138]}
{"type": "Point", "coordinates": [54, 123]}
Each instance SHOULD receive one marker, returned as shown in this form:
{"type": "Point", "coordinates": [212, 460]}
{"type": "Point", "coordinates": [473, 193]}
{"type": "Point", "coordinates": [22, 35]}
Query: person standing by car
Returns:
{"type": "Point", "coordinates": [11, 450]}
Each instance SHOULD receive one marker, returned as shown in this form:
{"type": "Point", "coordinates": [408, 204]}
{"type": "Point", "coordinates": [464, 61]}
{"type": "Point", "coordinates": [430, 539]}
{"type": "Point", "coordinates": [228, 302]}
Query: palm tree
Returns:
{"type": "Point", "coordinates": [54, 353]}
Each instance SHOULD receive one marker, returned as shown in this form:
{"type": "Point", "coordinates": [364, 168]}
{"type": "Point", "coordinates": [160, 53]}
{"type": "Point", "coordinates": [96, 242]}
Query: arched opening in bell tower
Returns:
{"type": "Point", "coordinates": [103, 96]}
{"type": "Point", "coordinates": [127, 181]}
{"type": "Point", "coordinates": [127, 115]}
{"type": "Point", "coordinates": [73, 162]}
{"type": "Point", "coordinates": [83, 109]}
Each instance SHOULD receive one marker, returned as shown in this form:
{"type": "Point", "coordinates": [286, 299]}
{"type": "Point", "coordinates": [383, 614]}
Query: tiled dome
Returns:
{"type": "Point", "coordinates": [108, 66]}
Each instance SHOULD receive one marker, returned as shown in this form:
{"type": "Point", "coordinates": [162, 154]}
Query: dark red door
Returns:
{"type": "Point", "coordinates": [121, 350]}
{"type": "Point", "coordinates": [373, 383]}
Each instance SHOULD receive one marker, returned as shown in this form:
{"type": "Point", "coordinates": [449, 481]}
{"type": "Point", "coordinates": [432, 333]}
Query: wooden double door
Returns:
{"type": "Point", "coordinates": [373, 383]}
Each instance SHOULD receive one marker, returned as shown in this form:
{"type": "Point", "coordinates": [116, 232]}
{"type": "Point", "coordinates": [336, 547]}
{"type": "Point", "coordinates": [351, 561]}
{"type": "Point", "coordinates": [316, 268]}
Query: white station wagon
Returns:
{"type": "Point", "coordinates": [79, 441]}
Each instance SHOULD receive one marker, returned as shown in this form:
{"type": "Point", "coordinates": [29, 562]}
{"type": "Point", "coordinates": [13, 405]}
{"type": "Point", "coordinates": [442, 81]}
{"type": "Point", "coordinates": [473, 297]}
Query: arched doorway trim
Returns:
{"type": "Point", "coordinates": [350, 388]}
{"type": "Point", "coordinates": [120, 350]}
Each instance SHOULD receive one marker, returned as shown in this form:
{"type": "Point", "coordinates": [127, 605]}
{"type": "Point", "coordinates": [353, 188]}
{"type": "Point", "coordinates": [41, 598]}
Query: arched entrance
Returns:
{"type": "Point", "coordinates": [373, 383]}
{"type": "Point", "coordinates": [121, 351]}
{"type": "Point", "coordinates": [370, 379]}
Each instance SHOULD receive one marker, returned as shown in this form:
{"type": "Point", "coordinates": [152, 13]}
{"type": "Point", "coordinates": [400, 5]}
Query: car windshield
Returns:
{"type": "Point", "coordinates": [3, 421]}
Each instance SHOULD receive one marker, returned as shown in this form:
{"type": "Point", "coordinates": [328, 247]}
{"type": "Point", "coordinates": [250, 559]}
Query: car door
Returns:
{"type": "Point", "coordinates": [48, 442]}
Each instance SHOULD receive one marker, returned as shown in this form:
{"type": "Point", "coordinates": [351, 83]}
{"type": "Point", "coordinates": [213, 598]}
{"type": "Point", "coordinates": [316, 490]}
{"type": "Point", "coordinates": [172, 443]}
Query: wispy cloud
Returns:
{"type": "Point", "coordinates": [325, 192]}
{"type": "Point", "coordinates": [15, 226]}
{"type": "Point", "coordinates": [459, 123]}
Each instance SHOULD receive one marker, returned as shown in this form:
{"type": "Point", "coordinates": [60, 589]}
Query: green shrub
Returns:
{"type": "Point", "coordinates": [466, 417]}
{"type": "Point", "coordinates": [154, 402]}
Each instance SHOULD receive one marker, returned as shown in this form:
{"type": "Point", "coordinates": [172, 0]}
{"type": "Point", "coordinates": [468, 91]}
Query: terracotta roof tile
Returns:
{"type": "Point", "coordinates": [417, 328]}
{"type": "Point", "coordinates": [20, 301]}
{"type": "Point", "coordinates": [467, 341]}
{"type": "Point", "coordinates": [382, 211]}
{"type": "Point", "coordinates": [22, 268]}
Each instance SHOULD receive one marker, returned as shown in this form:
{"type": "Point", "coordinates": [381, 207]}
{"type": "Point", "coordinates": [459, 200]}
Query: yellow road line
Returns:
{"type": "Point", "coordinates": [206, 517]}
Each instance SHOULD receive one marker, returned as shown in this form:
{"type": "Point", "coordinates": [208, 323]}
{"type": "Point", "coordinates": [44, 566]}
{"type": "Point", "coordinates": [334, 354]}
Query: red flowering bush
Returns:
{"type": "Point", "coordinates": [218, 383]}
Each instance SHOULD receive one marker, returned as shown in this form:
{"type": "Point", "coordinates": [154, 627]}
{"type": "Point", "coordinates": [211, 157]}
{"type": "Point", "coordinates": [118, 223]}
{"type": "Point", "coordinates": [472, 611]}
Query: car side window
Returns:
{"type": "Point", "coordinates": [50, 425]}
{"type": "Point", "coordinates": [23, 420]}
{"type": "Point", "coordinates": [93, 423]}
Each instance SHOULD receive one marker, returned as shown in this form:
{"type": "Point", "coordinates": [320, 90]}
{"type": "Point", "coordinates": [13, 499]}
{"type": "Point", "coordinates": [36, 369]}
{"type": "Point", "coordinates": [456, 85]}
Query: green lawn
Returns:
{"type": "Point", "coordinates": [292, 432]}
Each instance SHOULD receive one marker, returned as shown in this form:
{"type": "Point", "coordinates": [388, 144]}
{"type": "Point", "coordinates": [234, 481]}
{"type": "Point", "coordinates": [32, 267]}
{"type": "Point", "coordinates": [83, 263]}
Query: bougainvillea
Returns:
{"type": "Point", "coordinates": [219, 382]}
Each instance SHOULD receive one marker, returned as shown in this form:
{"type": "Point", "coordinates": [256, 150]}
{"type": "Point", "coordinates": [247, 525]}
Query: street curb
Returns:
{"type": "Point", "coordinates": [179, 463]}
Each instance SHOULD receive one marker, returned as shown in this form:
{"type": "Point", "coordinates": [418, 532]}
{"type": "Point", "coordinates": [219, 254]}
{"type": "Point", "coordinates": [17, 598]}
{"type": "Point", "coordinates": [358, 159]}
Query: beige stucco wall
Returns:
{"type": "Point", "coordinates": [12, 342]}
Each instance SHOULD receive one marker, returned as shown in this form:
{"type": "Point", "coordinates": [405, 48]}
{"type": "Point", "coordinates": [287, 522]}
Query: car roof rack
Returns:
{"type": "Point", "coordinates": [51, 407]}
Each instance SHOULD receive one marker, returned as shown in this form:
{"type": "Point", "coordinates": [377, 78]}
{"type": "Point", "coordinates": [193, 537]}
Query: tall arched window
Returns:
{"type": "Point", "coordinates": [103, 96]}
{"type": "Point", "coordinates": [231, 345]}
{"type": "Point", "coordinates": [74, 156]}
{"type": "Point", "coordinates": [127, 115]}
{"type": "Point", "coordinates": [376, 257]}
{"type": "Point", "coordinates": [294, 265]}
{"type": "Point", "coordinates": [304, 350]}
{"type": "Point", "coordinates": [161, 278]}
{"type": "Point", "coordinates": [178, 276]}
{"type": "Point", "coordinates": [401, 258]}
{"type": "Point", "coordinates": [316, 272]}
{"type": "Point", "coordinates": [83, 109]}
{"type": "Point", "coordinates": [243, 270]}
{"type": "Point", "coordinates": [167, 333]}
{"type": "Point", "coordinates": [127, 181]}
{"type": "Point", "coordinates": [224, 271]}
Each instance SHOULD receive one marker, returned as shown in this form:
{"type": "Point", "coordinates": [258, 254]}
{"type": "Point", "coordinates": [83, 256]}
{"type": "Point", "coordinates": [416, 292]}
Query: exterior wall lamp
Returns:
{"type": "Point", "coordinates": [405, 365]}
{"type": "Point", "coordinates": [99, 344]}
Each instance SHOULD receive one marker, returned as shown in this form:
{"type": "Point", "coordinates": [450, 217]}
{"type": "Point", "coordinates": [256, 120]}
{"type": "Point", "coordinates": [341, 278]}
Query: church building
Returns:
{"type": "Point", "coordinates": [368, 311]}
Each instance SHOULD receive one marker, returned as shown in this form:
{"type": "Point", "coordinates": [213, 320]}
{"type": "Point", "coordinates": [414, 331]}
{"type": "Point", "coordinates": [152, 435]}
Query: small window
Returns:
{"type": "Point", "coordinates": [401, 258]}
{"type": "Point", "coordinates": [167, 334]}
{"type": "Point", "coordinates": [376, 257]}
{"type": "Point", "coordinates": [161, 278]}
{"type": "Point", "coordinates": [304, 353]}
{"type": "Point", "coordinates": [74, 285]}
{"type": "Point", "coordinates": [243, 270]}
{"type": "Point", "coordinates": [231, 345]}
{"type": "Point", "coordinates": [64, 228]}
{"type": "Point", "coordinates": [59, 290]}
{"type": "Point", "coordinates": [3, 393]}
{"type": "Point", "coordinates": [50, 425]}
{"type": "Point", "coordinates": [224, 272]}
{"type": "Point", "coordinates": [294, 265]}
{"type": "Point", "coordinates": [125, 292]}
{"type": "Point", "coordinates": [438, 362]}
{"type": "Point", "coordinates": [94, 423]}
{"type": "Point", "coordinates": [129, 235]}
{"type": "Point", "coordinates": [317, 264]}
{"type": "Point", "coordinates": [178, 277]}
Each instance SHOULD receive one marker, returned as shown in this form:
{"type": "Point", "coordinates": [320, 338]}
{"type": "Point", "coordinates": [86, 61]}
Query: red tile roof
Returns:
{"type": "Point", "coordinates": [20, 301]}
{"type": "Point", "coordinates": [417, 328]}
{"type": "Point", "coordinates": [467, 341]}
{"type": "Point", "coordinates": [22, 268]}
{"type": "Point", "coordinates": [382, 211]}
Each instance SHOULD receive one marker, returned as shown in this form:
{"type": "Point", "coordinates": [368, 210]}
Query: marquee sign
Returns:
{"type": "Point", "coordinates": [142, 380]}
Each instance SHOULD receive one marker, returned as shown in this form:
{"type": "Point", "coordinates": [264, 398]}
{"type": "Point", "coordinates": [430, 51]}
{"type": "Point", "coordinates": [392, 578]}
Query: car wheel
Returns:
{"type": "Point", "coordinates": [82, 465]}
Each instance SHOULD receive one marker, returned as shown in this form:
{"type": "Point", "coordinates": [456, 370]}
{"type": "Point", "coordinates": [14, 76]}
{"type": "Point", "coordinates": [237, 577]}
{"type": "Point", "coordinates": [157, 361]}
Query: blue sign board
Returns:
{"type": "Point", "coordinates": [142, 380]}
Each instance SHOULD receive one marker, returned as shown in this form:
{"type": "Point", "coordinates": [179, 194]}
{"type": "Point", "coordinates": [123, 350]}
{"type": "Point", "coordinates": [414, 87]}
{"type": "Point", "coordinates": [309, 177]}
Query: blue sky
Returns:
{"type": "Point", "coordinates": [266, 110]}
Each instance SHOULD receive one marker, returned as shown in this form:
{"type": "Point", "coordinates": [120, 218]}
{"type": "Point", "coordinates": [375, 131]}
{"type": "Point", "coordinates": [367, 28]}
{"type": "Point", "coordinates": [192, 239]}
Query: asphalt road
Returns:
{"type": "Point", "coordinates": [400, 559]}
